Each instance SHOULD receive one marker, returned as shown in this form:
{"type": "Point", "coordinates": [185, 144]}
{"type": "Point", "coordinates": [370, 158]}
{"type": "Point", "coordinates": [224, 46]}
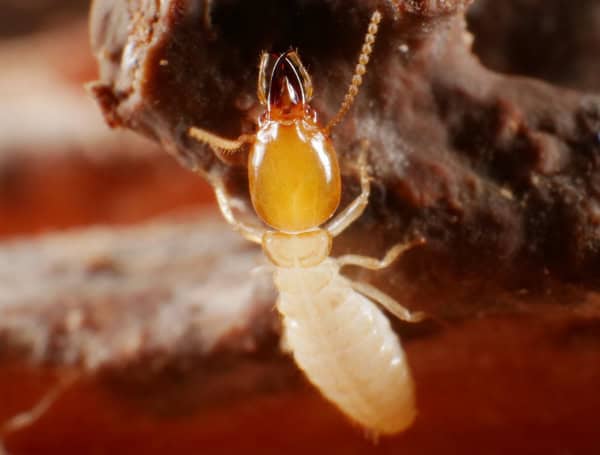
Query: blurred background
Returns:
{"type": "Point", "coordinates": [60, 165]}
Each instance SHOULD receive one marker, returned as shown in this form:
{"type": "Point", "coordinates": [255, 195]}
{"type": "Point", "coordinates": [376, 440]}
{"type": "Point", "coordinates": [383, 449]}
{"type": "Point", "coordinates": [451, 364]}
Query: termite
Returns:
{"type": "Point", "coordinates": [337, 334]}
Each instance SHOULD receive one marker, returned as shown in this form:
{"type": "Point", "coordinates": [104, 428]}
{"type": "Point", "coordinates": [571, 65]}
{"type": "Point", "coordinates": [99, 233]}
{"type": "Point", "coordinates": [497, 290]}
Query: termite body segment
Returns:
{"type": "Point", "coordinates": [337, 334]}
{"type": "Point", "coordinates": [339, 338]}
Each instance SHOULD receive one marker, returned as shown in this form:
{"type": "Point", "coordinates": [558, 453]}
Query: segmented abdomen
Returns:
{"type": "Point", "coordinates": [346, 347]}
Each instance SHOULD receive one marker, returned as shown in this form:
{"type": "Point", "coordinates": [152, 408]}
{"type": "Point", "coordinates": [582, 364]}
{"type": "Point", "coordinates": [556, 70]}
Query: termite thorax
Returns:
{"type": "Point", "coordinates": [304, 250]}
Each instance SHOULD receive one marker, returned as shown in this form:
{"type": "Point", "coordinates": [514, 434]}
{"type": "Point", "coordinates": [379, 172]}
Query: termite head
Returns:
{"type": "Point", "coordinates": [284, 86]}
{"type": "Point", "coordinates": [293, 171]}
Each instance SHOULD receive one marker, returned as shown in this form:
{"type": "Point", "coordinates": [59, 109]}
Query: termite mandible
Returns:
{"type": "Point", "coordinates": [337, 334]}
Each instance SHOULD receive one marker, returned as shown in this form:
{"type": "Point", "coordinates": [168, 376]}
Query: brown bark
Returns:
{"type": "Point", "coordinates": [498, 172]}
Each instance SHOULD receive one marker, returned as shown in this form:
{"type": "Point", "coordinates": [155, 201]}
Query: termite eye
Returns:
{"type": "Point", "coordinates": [286, 98]}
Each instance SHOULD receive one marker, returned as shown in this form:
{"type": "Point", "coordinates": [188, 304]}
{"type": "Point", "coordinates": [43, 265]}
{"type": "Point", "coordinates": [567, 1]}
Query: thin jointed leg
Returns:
{"type": "Point", "coordinates": [28, 418]}
{"type": "Point", "coordinates": [356, 208]}
{"type": "Point", "coordinates": [220, 145]}
{"type": "Point", "coordinates": [252, 233]}
{"type": "Point", "coordinates": [378, 264]}
{"type": "Point", "coordinates": [387, 302]}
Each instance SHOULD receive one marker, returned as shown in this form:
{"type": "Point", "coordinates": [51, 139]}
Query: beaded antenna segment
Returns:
{"type": "Point", "coordinates": [359, 71]}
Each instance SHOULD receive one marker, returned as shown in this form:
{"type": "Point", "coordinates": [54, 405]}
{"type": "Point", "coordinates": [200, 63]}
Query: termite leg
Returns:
{"type": "Point", "coordinates": [377, 264]}
{"type": "Point", "coordinates": [28, 418]}
{"type": "Point", "coordinates": [284, 343]}
{"type": "Point", "coordinates": [220, 145]}
{"type": "Point", "coordinates": [387, 302]}
{"type": "Point", "coordinates": [356, 208]}
{"type": "Point", "coordinates": [252, 233]}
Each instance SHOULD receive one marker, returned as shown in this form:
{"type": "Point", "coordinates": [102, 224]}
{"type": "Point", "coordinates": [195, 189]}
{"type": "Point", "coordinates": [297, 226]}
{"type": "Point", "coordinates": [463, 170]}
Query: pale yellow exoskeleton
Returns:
{"type": "Point", "coordinates": [336, 332]}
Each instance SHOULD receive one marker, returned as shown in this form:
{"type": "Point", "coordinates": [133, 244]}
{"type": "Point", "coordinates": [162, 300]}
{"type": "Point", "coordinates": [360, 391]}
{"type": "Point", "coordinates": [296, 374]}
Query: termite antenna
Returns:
{"type": "Point", "coordinates": [359, 70]}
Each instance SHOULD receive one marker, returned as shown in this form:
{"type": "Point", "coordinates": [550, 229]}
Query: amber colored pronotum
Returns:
{"type": "Point", "coordinates": [337, 334]}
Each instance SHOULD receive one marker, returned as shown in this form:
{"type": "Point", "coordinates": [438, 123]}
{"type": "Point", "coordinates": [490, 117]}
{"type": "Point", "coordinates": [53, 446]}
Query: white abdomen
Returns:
{"type": "Point", "coordinates": [346, 347]}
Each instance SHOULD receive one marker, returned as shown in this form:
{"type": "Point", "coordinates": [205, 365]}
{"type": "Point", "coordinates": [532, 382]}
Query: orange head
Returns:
{"type": "Point", "coordinates": [293, 169]}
